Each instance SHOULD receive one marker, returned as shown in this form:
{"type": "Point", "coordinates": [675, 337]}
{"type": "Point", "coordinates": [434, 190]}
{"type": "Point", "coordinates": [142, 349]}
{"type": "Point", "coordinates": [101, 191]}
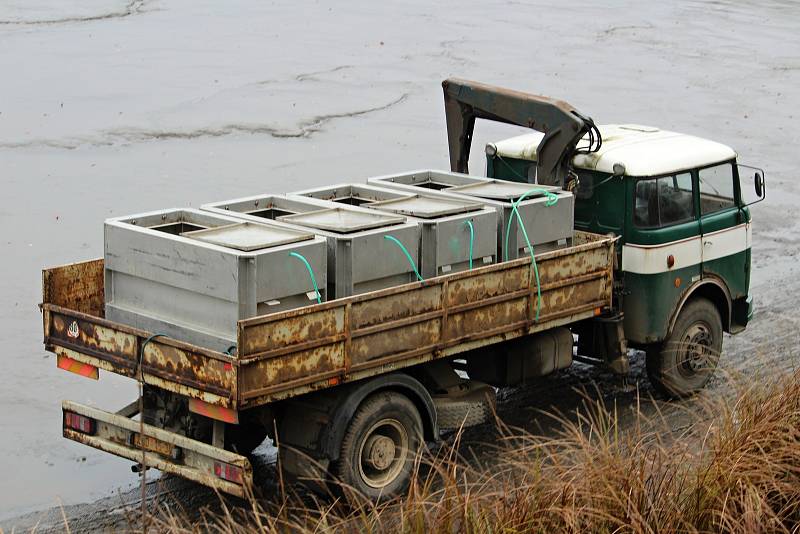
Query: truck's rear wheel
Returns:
{"type": "Point", "coordinates": [686, 360]}
{"type": "Point", "coordinates": [377, 452]}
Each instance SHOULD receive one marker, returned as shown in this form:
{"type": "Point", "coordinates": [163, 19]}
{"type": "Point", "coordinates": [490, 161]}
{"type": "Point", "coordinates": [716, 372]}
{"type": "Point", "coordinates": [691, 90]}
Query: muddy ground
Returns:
{"type": "Point", "coordinates": [116, 107]}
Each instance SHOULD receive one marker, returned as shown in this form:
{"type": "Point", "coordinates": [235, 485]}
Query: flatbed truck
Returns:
{"type": "Point", "coordinates": [349, 390]}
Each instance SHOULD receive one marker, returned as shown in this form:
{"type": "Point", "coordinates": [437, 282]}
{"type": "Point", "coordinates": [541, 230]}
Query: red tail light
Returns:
{"type": "Point", "coordinates": [228, 472]}
{"type": "Point", "coordinates": [80, 423]}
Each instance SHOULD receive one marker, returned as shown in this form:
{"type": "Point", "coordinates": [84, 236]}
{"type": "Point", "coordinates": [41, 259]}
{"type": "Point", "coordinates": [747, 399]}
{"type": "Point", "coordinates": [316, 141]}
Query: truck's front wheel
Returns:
{"type": "Point", "coordinates": [686, 360]}
{"type": "Point", "coordinates": [377, 453]}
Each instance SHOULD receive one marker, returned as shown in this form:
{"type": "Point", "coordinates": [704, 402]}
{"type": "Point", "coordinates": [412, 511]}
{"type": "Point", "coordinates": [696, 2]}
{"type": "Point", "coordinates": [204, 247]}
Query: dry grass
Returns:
{"type": "Point", "coordinates": [735, 468]}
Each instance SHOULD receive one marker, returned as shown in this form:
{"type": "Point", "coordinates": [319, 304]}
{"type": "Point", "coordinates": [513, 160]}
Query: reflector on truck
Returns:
{"type": "Point", "coordinates": [80, 423]}
{"type": "Point", "coordinates": [214, 412]}
{"type": "Point", "coordinates": [79, 368]}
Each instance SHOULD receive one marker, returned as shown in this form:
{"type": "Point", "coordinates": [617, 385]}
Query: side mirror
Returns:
{"type": "Point", "coordinates": [755, 192]}
{"type": "Point", "coordinates": [758, 181]}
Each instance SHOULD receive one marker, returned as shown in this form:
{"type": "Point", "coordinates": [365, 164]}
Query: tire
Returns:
{"type": "Point", "coordinates": [684, 363]}
{"type": "Point", "coordinates": [378, 449]}
{"type": "Point", "coordinates": [474, 407]}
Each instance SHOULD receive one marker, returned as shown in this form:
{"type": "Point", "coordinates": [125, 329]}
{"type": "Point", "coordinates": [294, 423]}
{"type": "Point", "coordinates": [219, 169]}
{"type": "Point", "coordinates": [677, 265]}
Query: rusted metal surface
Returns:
{"type": "Point", "coordinates": [563, 126]}
{"type": "Point", "coordinates": [293, 352]}
{"type": "Point", "coordinates": [77, 286]}
{"type": "Point", "coordinates": [119, 435]}
{"type": "Point", "coordinates": [83, 335]}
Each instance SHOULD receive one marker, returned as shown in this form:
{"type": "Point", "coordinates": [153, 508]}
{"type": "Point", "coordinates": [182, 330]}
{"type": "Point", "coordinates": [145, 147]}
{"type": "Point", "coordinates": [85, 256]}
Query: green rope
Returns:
{"type": "Point", "coordinates": [408, 256]}
{"type": "Point", "coordinates": [229, 350]}
{"type": "Point", "coordinates": [552, 198]}
{"type": "Point", "coordinates": [310, 273]}
{"type": "Point", "coordinates": [471, 241]}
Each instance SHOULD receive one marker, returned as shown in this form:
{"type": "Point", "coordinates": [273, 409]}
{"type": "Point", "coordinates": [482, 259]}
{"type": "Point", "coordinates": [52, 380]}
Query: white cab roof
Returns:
{"type": "Point", "coordinates": [644, 150]}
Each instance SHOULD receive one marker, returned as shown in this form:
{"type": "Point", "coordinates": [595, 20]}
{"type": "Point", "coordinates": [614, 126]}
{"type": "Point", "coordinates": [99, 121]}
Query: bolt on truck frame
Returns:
{"type": "Point", "coordinates": [349, 389]}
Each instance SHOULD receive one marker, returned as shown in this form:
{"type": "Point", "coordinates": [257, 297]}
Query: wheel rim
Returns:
{"type": "Point", "coordinates": [696, 353]}
{"type": "Point", "coordinates": [382, 453]}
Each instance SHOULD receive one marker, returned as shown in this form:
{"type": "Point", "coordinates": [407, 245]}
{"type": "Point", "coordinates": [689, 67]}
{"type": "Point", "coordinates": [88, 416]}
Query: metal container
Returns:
{"type": "Point", "coordinates": [192, 275]}
{"type": "Point", "coordinates": [448, 242]}
{"type": "Point", "coordinates": [548, 227]}
{"type": "Point", "coordinates": [362, 252]}
{"type": "Point", "coordinates": [352, 194]}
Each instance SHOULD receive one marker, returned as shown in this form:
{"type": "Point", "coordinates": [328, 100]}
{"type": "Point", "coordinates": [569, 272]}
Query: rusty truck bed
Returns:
{"type": "Point", "coordinates": [290, 353]}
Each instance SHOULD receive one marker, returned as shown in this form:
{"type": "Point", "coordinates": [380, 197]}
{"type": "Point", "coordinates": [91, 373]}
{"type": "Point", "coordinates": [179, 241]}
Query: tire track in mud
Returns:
{"type": "Point", "coordinates": [133, 7]}
{"type": "Point", "coordinates": [128, 136]}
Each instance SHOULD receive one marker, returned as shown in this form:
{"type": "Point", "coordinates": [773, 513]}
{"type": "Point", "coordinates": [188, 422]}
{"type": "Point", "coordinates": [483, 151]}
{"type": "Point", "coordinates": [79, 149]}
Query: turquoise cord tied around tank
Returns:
{"type": "Point", "coordinates": [552, 198]}
{"type": "Point", "coordinates": [408, 256]}
{"type": "Point", "coordinates": [471, 240]}
{"type": "Point", "coordinates": [310, 273]}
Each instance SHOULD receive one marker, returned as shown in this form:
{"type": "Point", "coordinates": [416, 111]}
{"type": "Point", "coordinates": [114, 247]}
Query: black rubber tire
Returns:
{"type": "Point", "coordinates": [475, 407]}
{"type": "Point", "coordinates": [684, 363]}
{"type": "Point", "coordinates": [350, 470]}
{"type": "Point", "coordinates": [244, 438]}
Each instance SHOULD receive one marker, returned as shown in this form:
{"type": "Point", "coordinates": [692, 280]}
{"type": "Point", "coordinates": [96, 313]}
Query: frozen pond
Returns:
{"type": "Point", "coordinates": [116, 107]}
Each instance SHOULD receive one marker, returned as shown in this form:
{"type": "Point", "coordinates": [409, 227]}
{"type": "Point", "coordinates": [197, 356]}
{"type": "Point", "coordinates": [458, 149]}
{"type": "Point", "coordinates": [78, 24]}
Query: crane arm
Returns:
{"type": "Point", "coordinates": [563, 126]}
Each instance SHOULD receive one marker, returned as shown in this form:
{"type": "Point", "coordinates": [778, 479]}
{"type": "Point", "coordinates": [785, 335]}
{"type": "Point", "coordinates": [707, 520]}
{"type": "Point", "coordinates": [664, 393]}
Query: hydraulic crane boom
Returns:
{"type": "Point", "coordinates": [563, 126]}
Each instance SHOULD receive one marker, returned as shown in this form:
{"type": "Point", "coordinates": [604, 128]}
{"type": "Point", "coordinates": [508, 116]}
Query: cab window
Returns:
{"type": "Point", "coordinates": [716, 188]}
{"type": "Point", "coordinates": [663, 201]}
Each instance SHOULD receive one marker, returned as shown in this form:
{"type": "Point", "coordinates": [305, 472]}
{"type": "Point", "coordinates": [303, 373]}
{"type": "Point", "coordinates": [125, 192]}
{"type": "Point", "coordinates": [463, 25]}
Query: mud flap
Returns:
{"type": "Point", "coordinates": [166, 451]}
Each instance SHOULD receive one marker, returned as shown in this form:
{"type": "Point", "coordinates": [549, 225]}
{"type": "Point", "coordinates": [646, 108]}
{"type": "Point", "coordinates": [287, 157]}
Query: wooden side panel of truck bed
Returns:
{"type": "Point", "coordinates": [290, 353]}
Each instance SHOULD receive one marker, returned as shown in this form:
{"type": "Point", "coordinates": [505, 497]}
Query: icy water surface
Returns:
{"type": "Point", "coordinates": [112, 107]}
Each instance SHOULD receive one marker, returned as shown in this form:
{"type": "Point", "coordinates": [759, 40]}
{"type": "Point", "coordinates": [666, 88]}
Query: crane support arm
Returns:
{"type": "Point", "coordinates": [563, 126]}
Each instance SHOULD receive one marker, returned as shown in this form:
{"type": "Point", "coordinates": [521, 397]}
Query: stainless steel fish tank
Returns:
{"type": "Point", "coordinates": [191, 275]}
{"type": "Point", "coordinates": [366, 249]}
{"type": "Point", "coordinates": [548, 225]}
{"type": "Point", "coordinates": [456, 233]}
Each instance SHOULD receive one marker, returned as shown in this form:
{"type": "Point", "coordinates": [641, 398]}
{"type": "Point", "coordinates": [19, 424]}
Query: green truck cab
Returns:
{"type": "Point", "coordinates": [679, 206]}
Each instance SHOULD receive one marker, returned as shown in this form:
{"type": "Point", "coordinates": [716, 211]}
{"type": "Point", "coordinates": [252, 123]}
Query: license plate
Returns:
{"type": "Point", "coordinates": [152, 444]}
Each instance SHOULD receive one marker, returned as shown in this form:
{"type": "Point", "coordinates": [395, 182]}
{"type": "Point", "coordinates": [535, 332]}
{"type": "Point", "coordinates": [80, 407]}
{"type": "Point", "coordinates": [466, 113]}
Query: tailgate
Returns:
{"type": "Point", "coordinates": [166, 451]}
{"type": "Point", "coordinates": [74, 327]}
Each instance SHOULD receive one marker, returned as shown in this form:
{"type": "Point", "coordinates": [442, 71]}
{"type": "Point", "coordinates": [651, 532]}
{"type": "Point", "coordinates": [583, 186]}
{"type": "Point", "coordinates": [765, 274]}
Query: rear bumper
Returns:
{"type": "Point", "coordinates": [179, 455]}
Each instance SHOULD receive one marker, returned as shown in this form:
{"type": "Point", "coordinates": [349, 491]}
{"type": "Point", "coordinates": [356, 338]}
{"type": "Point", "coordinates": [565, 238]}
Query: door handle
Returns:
{"type": "Point", "coordinates": [708, 243]}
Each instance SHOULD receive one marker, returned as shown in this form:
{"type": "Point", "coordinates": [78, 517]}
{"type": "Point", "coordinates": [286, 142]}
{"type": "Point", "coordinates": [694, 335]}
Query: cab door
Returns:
{"type": "Point", "coordinates": [662, 254]}
{"type": "Point", "coordinates": [725, 228]}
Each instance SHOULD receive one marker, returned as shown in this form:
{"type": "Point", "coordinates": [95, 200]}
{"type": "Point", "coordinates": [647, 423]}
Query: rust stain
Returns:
{"type": "Point", "coordinates": [397, 306]}
{"type": "Point", "coordinates": [292, 330]}
{"type": "Point", "coordinates": [487, 285]}
{"type": "Point", "coordinates": [260, 374]}
{"type": "Point", "coordinates": [395, 341]}
{"type": "Point", "coordinates": [189, 365]}
{"type": "Point", "coordinates": [76, 286]}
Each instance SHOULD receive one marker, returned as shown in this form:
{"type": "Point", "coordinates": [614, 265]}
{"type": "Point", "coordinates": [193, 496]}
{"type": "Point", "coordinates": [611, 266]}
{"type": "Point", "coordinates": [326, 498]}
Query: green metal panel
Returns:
{"type": "Point", "coordinates": [600, 203]}
{"type": "Point", "coordinates": [511, 169]}
{"type": "Point", "coordinates": [650, 301]}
